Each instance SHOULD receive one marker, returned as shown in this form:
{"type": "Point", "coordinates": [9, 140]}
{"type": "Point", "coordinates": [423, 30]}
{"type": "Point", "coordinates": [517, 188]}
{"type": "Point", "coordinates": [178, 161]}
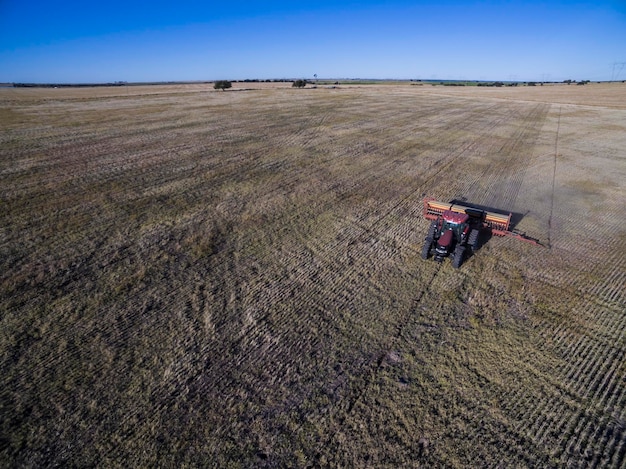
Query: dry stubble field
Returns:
{"type": "Point", "coordinates": [232, 279]}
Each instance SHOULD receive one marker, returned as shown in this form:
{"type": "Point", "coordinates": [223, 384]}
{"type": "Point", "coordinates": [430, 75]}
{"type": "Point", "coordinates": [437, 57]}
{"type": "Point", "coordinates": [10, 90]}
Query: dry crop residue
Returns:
{"type": "Point", "coordinates": [189, 275]}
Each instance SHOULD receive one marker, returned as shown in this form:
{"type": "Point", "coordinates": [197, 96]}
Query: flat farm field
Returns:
{"type": "Point", "coordinates": [198, 278]}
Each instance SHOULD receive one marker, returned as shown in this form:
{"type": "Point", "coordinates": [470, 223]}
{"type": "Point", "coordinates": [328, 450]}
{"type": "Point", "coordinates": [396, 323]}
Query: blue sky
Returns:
{"type": "Point", "coordinates": [68, 41]}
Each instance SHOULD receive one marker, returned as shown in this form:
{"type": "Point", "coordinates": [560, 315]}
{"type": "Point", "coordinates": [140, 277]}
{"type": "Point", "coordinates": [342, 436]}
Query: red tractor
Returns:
{"type": "Point", "coordinates": [452, 234]}
{"type": "Point", "coordinates": [456, 227]}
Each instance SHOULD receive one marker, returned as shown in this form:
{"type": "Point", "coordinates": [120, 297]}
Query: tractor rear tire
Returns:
{"type": "Point", "coordinates": [459, 254]}
{"type": "Point", "coordinates": [426, 249]}
{"type": "Point", "coordinates": [472, 241]}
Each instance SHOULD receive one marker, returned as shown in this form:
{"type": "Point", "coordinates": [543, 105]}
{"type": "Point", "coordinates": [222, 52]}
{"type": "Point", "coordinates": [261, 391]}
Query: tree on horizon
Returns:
{"type": "Point", "coordinates": [222, 85]}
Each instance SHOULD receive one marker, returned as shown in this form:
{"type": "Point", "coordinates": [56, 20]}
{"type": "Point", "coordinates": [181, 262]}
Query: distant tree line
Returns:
{"type": "Point", "coordinates": [256, 80]}
{"type": "Point", "coordinates": [273, 80]}
{"type": "Point", "coordinates": [66, 85]}
{"type": "Point", "coordinates": [222, 85]}
{"type": "Point", "coordinates": [225, 84]}
{"type": "Point", "coordinates": [497, 84]}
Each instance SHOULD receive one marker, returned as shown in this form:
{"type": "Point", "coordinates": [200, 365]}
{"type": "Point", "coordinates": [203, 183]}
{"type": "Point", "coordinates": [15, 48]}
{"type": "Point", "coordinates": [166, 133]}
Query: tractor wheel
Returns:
{"type": "Point", "coordinates": [459, 254]}
{"type": "Point", "coordinates": [426, 249]}
{"type": "Point", "coordinates": [431, 230]}
{"type": "Point", "coordinates": [472, 241]}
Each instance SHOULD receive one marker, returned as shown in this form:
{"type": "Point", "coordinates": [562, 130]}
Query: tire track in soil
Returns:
{"type": "Point", "coordinates": [371, 375]}
{"type": "Point", "coordinates": [368, 230]}
{"type": "Point", "coordinates": [304, 298]}
{"type": "Point", "coordinates": [359, 232]}
{"type": "Point", "coordinates": [144, 160]}
{"type": "Point", "coordinates": [432, 177]}
{"type": "Point", "coordinates": [607, 324]}
{"type": "Point", "coordinates": [594, 370]}
{"type": "Point", "coordinates": [454, 156]}
{"type": "Point", "coordinates": [427, 179]}
{"type": "Point", "coordinates": [546, 427]}
{"type": "Point", "coordinates": [355, 181]}
{"type": "Point", "coordinates": [157, 157]}
{"type": "Point", "coordinates": [556, 153]}
{"type": "Point", "coordinates": [448, 162]}
{"type": "Point", "coordinates": [499, 185]}
{"type": "Point", "coordinates": [600, 362]}
{"type": "Point", "coordinates": [341, 282]}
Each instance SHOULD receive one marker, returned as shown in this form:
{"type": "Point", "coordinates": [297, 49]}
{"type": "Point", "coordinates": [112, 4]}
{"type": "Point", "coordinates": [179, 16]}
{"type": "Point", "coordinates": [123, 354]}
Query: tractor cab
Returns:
{"type": "Point", "coordinates": [455, 218]}
{"type": "Point", "coordinates": [455, 222]}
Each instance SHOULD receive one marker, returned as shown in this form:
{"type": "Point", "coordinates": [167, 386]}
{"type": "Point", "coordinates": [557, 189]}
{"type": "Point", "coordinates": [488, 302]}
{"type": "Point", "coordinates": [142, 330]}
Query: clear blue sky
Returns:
{"type": "Point", "coordinates": [69, 41]}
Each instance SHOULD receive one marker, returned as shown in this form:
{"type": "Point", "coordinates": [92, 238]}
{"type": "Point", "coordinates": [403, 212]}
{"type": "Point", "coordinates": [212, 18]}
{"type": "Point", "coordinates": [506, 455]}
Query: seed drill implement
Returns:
{"type": "Point", "coordinates": [457, 228]}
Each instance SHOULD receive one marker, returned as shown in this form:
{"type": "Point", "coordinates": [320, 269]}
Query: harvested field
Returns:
{"type": "Point", "coordinates": [233, 279]}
